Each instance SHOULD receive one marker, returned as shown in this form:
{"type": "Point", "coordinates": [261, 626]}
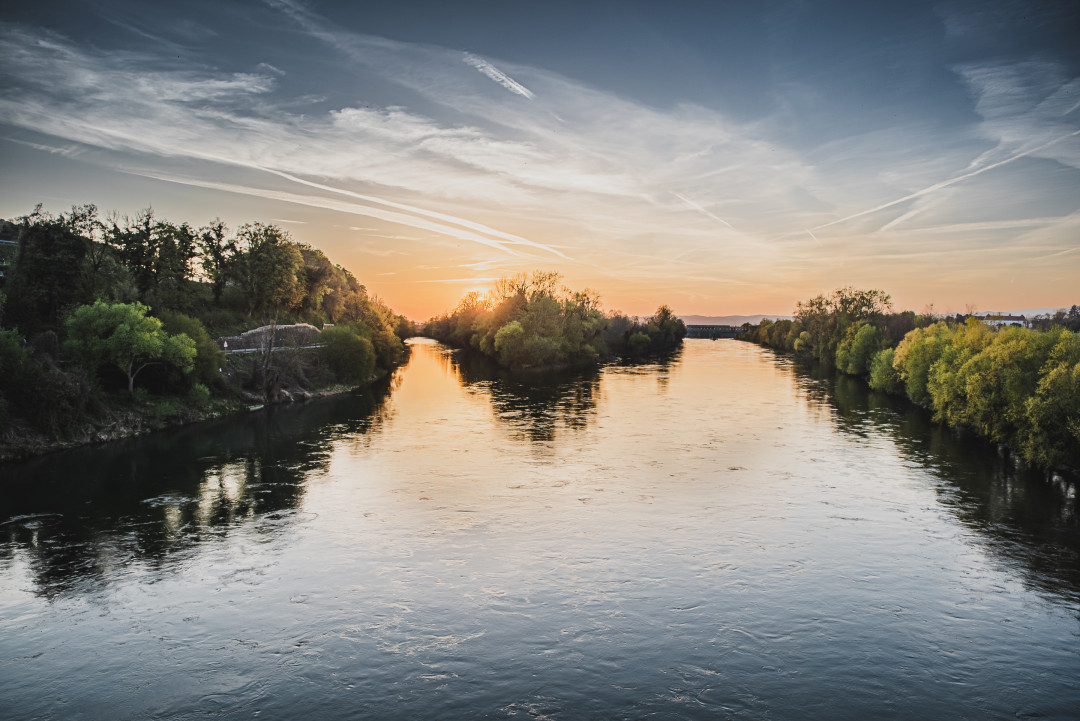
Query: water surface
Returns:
{"type": "Point", "coordinates": [717, 535]}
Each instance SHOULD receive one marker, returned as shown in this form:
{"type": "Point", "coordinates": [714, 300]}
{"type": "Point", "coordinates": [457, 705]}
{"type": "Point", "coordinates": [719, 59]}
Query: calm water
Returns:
{"type": "Point", "coordinates": [722, 535]}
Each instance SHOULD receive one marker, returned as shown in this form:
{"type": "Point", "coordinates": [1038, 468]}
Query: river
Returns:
{"type": "Point", "coordinates": [723, 534]}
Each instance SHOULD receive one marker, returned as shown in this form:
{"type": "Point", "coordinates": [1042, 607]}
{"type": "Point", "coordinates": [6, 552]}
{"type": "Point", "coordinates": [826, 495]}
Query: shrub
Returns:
{"type": "Point", "coordinates": [351, 358]}
{"type": "Point", "coordinates": [883, 376]}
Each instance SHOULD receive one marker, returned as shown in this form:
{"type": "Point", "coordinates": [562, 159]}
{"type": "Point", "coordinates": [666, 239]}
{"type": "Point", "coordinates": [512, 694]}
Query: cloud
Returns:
{"type": "Point", "coordinates": [609, 165]}
{"type": "Point", "coordinates": [583, 177]}
{"type": "Point", "coordinates": [497, 75]}
{"type": "Point", "coordinates": [314, 201]}
{"type": "Point", "coordinates": [479, 227]}
{"type": "Point", "coordinates": [1028, 107]}
{"type": "Point", "coordinates": [471, 281]}
{"type": "Point", "coordinates": [952, 181]}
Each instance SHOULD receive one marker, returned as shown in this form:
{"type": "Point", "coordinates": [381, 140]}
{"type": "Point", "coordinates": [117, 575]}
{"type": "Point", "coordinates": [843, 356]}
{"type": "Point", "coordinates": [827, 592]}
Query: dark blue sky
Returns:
{"type": "Point", "coordinates": [738, 156]}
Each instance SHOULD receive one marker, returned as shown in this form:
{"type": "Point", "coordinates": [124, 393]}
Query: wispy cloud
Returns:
{"type": "Point", "coordinates": [315, 201]}
{"type": "Point", "coordinates": [427, 138]}
{"type": "Point", "coordinates": [478, 227]}
{"type": "Point", "coordinates": [66, 150]}
{"type": "Point", "coordinates": [951, 181]}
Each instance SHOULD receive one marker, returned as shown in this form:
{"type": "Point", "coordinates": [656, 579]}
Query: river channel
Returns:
{"type": "Point", "coordinates": [722, 534]}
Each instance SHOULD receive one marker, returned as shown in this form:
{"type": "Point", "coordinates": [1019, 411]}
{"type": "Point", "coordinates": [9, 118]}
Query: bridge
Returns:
{"type": "Point", "coordinates": [711, 331]}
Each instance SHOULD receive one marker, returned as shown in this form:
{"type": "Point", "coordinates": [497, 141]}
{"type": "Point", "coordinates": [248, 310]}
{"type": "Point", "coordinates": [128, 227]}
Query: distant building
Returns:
{"type": "Point", "coordinates": [999, 320]}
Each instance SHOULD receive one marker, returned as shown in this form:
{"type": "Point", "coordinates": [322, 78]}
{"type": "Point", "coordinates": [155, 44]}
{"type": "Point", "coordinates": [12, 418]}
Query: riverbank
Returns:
{"type": "Point", "coordinates": [118, 415]}
{"type": "Point", "coordinates": [1006, 445]}
{"type": "Point", "coordinates": [693, 521]}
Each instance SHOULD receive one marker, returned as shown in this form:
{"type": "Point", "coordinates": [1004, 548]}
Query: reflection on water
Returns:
{"type": "Point", "coordinates": [720, 534]}
{"type": "Point", "coordinates": [1029, 518]}
{"type": "Point", "coordinates": [84, 513]}
{"type": "Point", "coordinates": [534, 406]}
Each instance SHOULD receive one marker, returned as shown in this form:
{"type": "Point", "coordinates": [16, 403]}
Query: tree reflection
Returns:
{"type": "Point", "coordinates": [534, 406]}
{"type": "Point", "coordinates": [82, 515]}
{"type": "Point", "coordinates": [1029, 518]}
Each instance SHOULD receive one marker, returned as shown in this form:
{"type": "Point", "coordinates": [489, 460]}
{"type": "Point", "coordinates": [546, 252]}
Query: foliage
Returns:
{"type": "Point", "coordinates": [351, 357]}
{"type": "Point", "coordinates": [70, 274]}
{"type": "Point", "coordinates": [123, 336]}
{"type": "Point", "coordinates": [209, 358]}
{"type": "Point", "coordinates": [228, 282]}
{"type": "Point", "coordinates": [915, 356]}
{"type": "Point", "coordinates": [883, 376]}
{"type": "Point", "coordinates": [46, 280]}
{"type": "Point", "coordinates": [269, 268]}
{"type": "Point", "coordinates": [531, 321]}
{"type": "Point", "coordinates": [1053, 412]}
{"type": "Point", "coordinates": [217, 252]}
{"type": "Point", "coordinates": [35, 390]}
{"type": "Point", "coordinates": [827, 318]}
{"type": "Point", "coordinates": [861, 343]}
{"type": "Point", "coordinates": [1015, 386]}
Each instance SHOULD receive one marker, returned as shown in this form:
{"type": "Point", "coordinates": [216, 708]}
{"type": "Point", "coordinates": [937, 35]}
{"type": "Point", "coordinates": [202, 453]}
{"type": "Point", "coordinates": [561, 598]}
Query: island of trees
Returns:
{"type": "Point", "coordinates": [108, 325]}
{"type": "Point", "coordinates": [531, 321]}
{"type": "Point", "coordinates": [1016, 386]}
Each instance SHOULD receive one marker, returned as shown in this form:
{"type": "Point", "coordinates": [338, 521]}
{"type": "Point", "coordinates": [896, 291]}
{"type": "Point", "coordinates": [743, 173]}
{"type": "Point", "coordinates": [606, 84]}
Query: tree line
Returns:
{"type": "Point", "coordinates": [92, 304]}
{"type": "Point", "coordinates": [1015, 386]}
{"type": "Point", "coordinates": [533, 321]}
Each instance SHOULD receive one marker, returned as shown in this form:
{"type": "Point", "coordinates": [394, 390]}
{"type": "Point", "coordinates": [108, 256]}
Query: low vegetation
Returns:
{"type": "Point", "coordinates": [111, 323]}
{"type": "Point", "coordinates": [532, 321]}
{"type": "Point", "coordinates": [1015, 386]}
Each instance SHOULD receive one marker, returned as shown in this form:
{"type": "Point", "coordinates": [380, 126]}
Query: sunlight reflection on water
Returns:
{"type": "Point", "coordinates": [722, 534]}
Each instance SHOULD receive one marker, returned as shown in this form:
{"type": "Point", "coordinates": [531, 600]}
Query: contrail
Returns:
{"type": "Point", "coordinates": [697, 207]}
{"type": "Point", "coordinates": [397, 217]}
{"type": "Point", "coordinates": [951, 181]}
{"type": "Point", "coordinates": [340, 206]}
{"type": "Point", "coordinates": [478, 227]}
{"type": "Point", "coordinates": [498, 75]}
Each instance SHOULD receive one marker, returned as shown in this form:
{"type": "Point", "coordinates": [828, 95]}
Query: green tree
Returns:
{"type": "Point", "coordinates": [915, 356]}
{"type": "Point", "coordinates": [46, 279]}
{"type": "Point", "coordinates": [173, 264]}
{"type": "Point", "coordinates": [638, 343]}
{"type": "Point", "coordinates": [135, 246]}
{"type": "Point", "coordinates": [861, 342]}
{"type": "Point", "coordinates": [216, 251]}
{"type": "Point", "coordinates": [883, 376]}
{"type": "Point", "coordinates": [1053, 412]}
{"type": "Point", "coordinates": [351, 357]}
{"type": "Point", "coordinates": [122, 335]}
{"type": "Point", "coordinates": [509, 343]}
{"type": "Point", "coordinates": [268, 268]}
{"type": "Point", "coordinates": [208, 356]}
{"type": "Point", "coordinates": [997, 383]}
{"type": "Point", "coordinates": [665, 330]}
{"type": "Point", "coordinates": [36, 390]}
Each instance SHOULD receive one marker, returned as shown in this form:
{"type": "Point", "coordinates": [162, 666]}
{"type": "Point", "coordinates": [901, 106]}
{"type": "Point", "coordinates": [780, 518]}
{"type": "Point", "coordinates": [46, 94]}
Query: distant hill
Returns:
{"type": "Point", "coordinates": [735, 320]}
{"type": "Point", "coordinates": [1026, 312]}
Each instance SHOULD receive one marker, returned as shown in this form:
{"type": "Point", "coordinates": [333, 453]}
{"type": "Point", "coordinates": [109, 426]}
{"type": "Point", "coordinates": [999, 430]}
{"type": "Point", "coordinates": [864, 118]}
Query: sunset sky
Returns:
{"type": "Point", "coordinates": [720, 157]}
